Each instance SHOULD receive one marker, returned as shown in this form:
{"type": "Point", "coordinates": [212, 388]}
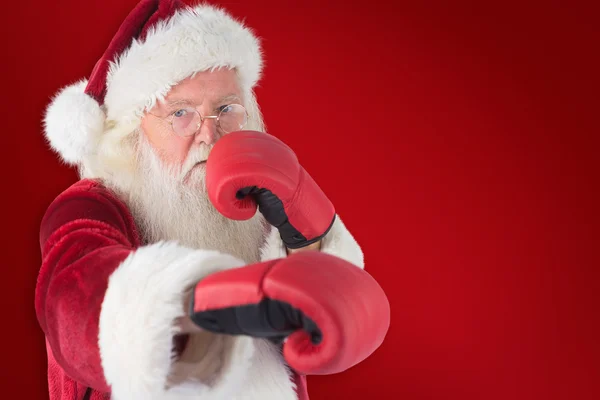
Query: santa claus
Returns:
{"type": "Point", "coordinates": [195, 258]}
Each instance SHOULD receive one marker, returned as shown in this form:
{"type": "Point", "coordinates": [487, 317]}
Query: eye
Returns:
{"type": "Point", "coordinates": [180, 113]}
{"type": "Point", "coordinates": [225, 109]}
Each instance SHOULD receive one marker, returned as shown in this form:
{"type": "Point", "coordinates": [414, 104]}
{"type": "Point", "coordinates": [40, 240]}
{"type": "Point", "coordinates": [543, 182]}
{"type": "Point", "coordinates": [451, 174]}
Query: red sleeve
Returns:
{"type": "Point", "coordinates": [84, 236]}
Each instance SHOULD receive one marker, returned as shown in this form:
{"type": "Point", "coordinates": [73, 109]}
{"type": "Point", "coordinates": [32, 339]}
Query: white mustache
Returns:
{"type": "Point", "coordinates": [199, 155]}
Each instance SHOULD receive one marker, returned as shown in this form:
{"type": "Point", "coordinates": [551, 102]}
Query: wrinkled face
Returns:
{"type": "Point", "coordinates": [167, 194]}
{"type": "Point", "coordinates": [176, 130]}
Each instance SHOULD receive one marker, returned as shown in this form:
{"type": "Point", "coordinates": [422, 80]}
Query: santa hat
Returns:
{"type": "Point", "coordinates": [160, 43]}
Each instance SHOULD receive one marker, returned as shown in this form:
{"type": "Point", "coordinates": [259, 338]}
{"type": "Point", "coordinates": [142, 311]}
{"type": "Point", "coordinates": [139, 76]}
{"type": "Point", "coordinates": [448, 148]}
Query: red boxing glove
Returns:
{"type": "Point", "coordinates": [333, 314]}
{"type": "Point", "coordinates": [248, 169]}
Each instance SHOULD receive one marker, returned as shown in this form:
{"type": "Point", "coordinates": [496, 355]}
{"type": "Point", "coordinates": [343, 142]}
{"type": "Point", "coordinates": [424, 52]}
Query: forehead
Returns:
{"type": "Point", "coordinates": [206, 86]}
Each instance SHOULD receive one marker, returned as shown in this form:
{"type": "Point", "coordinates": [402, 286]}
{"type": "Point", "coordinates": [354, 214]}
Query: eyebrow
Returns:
{"type": "Point", "coordinates": [228, 98]}
{"type": "Point", "coordinates": [179, 102]}
{"type": "Point", "coordinates": [175, 103]}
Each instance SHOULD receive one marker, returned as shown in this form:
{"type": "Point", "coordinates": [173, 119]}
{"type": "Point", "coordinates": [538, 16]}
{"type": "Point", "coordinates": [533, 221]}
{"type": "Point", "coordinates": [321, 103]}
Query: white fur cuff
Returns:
{"type": "Point", "coordinates": [338, 242]}
{"type": "Point", "coordinates": [144, 297]}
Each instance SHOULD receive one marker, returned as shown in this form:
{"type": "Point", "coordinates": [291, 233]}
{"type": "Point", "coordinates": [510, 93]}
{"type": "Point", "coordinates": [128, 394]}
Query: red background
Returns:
{"type": "Point", "coordinates": [456, 141]}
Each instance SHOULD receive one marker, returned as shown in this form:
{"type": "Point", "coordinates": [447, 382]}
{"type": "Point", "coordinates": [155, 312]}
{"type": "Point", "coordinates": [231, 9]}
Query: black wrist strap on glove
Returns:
{"type": "Point", "coordinates": [270, 319]}
{"type": "Point", "coordinates": [271, 207]}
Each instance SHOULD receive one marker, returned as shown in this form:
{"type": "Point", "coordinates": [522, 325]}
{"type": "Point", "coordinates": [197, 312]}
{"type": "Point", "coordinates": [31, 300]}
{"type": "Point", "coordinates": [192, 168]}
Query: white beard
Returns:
{"type": "Point", "coordinates": [165, 208]}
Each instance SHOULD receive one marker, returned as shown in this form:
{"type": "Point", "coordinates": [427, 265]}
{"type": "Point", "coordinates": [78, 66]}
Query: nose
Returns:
{"type": "Point", "coordinates": [207, 133]}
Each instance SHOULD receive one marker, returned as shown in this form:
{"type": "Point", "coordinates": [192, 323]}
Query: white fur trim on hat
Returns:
{"type": "Point", "coordinates": [73, 123]}
{"type": "Point", "coordinates": [194, 39]}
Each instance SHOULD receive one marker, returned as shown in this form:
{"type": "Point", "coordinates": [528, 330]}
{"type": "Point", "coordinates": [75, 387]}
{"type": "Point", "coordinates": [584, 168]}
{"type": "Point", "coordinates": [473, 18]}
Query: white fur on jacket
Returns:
{"type": "Point", "coordinates": [145, 296]}
{"type": "Point", "coordinates": [338, 242]}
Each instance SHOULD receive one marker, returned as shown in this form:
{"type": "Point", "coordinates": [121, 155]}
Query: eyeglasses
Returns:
{"type": "Point", "coordinates": [187, 121]}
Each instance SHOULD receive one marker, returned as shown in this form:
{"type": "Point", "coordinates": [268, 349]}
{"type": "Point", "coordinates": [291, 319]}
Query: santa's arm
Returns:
{"type": "Point", "coordinates": [84, 236]}
{"type": "Point", "coordinates": [107, 305]}
{"type": "Point", "coordinates": [338, 242]}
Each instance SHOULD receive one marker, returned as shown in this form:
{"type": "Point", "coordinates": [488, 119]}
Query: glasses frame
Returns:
{"type": "Point", "coordinates": [171, 119]}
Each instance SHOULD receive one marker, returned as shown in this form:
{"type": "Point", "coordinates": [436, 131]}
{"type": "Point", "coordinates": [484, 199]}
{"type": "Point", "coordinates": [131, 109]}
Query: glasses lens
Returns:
{"type": "Point", "coordinates": [186, 121]}
{"type": "Point", "coordinates": [233, 118]}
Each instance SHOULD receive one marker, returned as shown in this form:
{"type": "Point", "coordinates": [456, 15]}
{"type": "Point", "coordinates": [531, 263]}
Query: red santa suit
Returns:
{"type": "Point", "coordinates": [106, 296]}
{"type": "Point", "coordinates": [106, 303]}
